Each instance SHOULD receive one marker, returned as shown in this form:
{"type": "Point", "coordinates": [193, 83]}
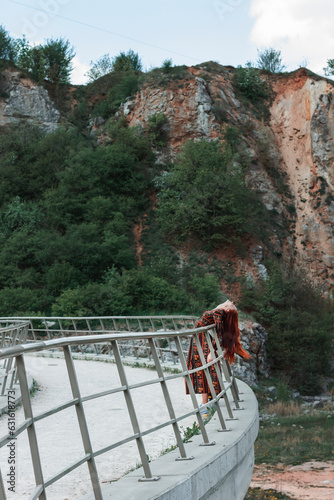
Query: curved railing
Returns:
{"type": "Point", "coordinates": [175, 339]}
{"type": "Point", "coordinates": [12, 332]}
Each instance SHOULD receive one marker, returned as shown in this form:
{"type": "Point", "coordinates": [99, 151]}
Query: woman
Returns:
{"type": "Point", "coordinates": [225, 317]}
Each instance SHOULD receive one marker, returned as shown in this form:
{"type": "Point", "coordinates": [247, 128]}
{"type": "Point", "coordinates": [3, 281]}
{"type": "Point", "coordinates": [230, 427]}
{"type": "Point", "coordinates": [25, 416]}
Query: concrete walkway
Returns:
{"type": "Point", "coordinates": [58, 436]}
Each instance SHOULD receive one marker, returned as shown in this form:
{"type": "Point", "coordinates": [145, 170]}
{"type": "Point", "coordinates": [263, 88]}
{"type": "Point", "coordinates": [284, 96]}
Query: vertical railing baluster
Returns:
{"type": "Point", "coordinates": [207, 374]}
{"type": "Point", "coordinates": [28, 413]}
{"type": "Point", "coordinates": [132, 412]}
{"type": "Point", "coordinates": [192, 393]}
{"type": "Point", "coordinates": [168, 401]}
{"type": "Point", "coordinates": [220, 378]}
{"type": "Point", "coordinates": [82, 423]}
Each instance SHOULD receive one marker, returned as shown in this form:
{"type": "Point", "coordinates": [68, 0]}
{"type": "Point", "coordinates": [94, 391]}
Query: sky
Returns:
{"type": "Point", "coordinates": [186, 31]}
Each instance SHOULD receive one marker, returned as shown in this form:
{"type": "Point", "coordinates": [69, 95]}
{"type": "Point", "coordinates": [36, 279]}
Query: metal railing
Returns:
{"type": "Point", "coordinates": [229, 391]}
{"type": "Point", "coordinates": [11, 333]}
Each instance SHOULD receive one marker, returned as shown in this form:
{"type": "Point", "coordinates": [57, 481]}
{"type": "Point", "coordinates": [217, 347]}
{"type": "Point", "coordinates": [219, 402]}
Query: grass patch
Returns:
{"type": "Point", "coordinates": [295, 440]}
{"type": "Point", "coordinates": [283, 409]}
{"type": "Point", "coordinates": [258, 494]}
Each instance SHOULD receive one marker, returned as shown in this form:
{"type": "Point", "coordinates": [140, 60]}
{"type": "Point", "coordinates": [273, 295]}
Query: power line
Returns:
{"type": "Point", "coordinates": [103, 30]}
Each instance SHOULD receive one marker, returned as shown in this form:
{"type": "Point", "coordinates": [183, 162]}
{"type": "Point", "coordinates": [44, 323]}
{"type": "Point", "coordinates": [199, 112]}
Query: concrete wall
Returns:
{"type": "Point", "coordinates": [219, 472]}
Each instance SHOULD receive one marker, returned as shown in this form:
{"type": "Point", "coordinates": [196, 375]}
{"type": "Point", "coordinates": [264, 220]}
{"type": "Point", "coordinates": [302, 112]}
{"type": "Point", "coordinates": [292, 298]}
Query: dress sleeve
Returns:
{"type": "Point", "coordinates": [206, 319]}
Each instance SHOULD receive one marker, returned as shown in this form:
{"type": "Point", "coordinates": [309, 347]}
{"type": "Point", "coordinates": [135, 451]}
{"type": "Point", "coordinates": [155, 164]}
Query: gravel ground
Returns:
{"type": "Point", "coordinates": [59, 438]}
{"type": "Point", "coordinates": [309, 481]}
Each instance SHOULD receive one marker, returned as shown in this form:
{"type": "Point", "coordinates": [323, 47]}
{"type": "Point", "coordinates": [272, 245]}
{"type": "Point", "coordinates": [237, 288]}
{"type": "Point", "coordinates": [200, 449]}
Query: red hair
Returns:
{"type": "Point", "coordinates": [227, 326]}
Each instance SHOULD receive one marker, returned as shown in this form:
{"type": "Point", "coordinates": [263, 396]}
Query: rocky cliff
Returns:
{"type": "Point", "coordinates": [290, 154]}
{"type": "Point", "coordinates": [22, 100]}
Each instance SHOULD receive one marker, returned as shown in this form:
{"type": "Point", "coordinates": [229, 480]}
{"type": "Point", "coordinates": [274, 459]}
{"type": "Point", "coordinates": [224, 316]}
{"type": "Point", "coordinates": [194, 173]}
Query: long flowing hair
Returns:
{"type": "Point", "coordinates": [227, 325]}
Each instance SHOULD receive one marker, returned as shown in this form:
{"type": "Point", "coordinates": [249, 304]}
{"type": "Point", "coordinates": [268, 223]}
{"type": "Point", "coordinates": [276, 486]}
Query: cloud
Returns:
{"type": "Point", "coordinates": [79, 69]}
{"type": "Point", "coordinates": [301, 29]}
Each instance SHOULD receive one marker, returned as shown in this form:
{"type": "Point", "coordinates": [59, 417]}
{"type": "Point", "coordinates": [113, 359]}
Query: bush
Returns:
{"type": "Point", "coordinates": [156, 130]}
{"type": "Point", "coordinates": [299, 322]}
{"type": "Point", "coordinates": [204, 196]}
{"type": "Point", "coordinates": [270, 60]}
{"type": "Point", "coordinates": [18, 301]}
{"type": "Point", "coordinates": [7, 46]}
{"type": "Point", "coordinates": [129, 61]}
{"type": "Point", "coordinates": [249, 82]}
{"type": "Point", "coordinates": [126, 85]}
{"type": "Point", "coordinates": [101, 67]}
{"type": "Point", "coordinates": [167, 65]}
{"type": "Point", "coordinates": [58, 55]}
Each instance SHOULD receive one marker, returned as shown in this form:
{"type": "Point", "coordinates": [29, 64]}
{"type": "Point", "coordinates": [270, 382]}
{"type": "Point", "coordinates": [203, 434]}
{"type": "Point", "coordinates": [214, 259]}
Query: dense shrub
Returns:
{"type": "Point", "coordinates": [204, 196]}
{"type": "Point", "coordinates": [65, 221]}
{"type": "Point", "coordinates": [270, 60]}
{"type": "Point", "coordinates": [125, 85]}
{"type": "Point", "coordinates": [157, 129]}
{"type": "Point", "coordinates": [250, 83]}
{"type": "Point", "coordinates": [299, 321]}
{"type": "Point", "coordinates": [7, 45]}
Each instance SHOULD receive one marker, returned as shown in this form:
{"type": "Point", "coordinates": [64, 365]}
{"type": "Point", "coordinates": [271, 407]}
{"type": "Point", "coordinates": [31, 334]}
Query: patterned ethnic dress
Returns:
{"type": "Point", "coordinates": [198, 379]}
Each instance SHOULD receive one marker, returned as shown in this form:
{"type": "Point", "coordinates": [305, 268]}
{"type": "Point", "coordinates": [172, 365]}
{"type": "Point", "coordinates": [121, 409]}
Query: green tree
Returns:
{"type": "Point", "coordinates": [204, 195]}
{"type": "Point", "coordinates": [167, 65]}
{"type": "Point", "coordinates": [126, 85]}
{"type": "Point", "coordinates": [19, 214]}
{"type": "Point", "coordinates": [58, 55]}
{"type": "Point", "coordinates": [129, 61]}
{"type": "Point", "coordinates": [270, 60]}
{"type": "Point", "coordinates": [299, 321]}
{"type": "Point", "coordinates": [7, 45]}
{"type": "Point", "coordinates": [157, 129]}
{"type": "Point", "coordinates": [250, 83]}
{"type": "Point", "coordinates": [99, 68]}
{"type": "Point", "coordinates": [329, 70]}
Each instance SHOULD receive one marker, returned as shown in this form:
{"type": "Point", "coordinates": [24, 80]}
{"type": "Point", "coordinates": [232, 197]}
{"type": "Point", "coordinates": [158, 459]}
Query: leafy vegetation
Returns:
{"type": "Point", "coordinates": [66, 233]}
{"type": "Point", "coordinates": [7, 46]}
{"type": "Point", "coordinates": [270, 494]}
{"type": "Point", "coordinates": [294, 440]}
{"type": "Point", "coordinates": [99, 68]}
{"type": "Point", "coordinates": [204, 196]}
{"type": "Point", "coordinates": [156, 129]}
{"type": "Point", "coordinates": [250, 83]}
{"type": "Point", "coordinates": [270, 60]}
{"type": "Point", "coordinates": [299, 322]}
{"type": "Point", "coordinates": [253, 89]}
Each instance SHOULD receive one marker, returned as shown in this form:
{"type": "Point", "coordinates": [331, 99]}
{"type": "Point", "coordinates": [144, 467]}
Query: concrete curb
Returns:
{"type": "Point", "coordinates": [220, 471]}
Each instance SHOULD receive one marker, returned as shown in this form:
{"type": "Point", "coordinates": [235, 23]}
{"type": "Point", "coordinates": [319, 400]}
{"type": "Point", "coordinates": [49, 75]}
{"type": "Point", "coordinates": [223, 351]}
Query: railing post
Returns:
{"type": "Point", "coordinates": [192, 393]}
{"type": "Point", "coordinates": [36, 461]}
{"type": "Point", "coordinates": [207, 374]}
{"type": "Point", "coordinates": [132, 414]}
{"type": "Point", "coordinates": [168, 401]}
{"type": "Point", "coordinates": [220, 379]}
{"type": "Point", "coordinates": [227, 373]}
{"type": "Point", "coordinates": [82, 423]}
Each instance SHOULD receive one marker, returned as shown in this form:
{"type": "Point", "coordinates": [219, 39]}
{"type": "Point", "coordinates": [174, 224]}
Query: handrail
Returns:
{"type": "Point", "coordinates": [14, 333]}
{"type": "Point", "coordinates": [113, 339]}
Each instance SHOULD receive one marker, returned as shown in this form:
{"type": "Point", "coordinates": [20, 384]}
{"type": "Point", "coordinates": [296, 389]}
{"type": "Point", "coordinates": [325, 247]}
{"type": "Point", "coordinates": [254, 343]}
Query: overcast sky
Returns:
{"type": "Point", "coordinates": [187, 31]}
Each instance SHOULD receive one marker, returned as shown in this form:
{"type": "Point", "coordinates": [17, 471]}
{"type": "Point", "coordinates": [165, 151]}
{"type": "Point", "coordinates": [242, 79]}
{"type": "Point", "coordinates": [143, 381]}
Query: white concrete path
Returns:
{"type": "Point", "coordinates": [58, 436]}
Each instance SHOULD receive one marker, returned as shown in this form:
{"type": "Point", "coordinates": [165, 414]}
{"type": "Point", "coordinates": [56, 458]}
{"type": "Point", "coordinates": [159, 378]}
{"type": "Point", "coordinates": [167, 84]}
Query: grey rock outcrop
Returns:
{"type": "Point", "coordinates": [26, 102]}
{"type": "Point", "coordinates": [254, 338]}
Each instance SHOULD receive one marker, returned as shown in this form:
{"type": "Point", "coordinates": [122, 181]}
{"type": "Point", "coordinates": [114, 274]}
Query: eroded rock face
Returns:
{"type": "Point", "coordinates": [254, 338]}
{"type": "Point", "coordinates": [26, 102]}
{"type": "Point", "coordinates": [302, 119]}
{"type": "Point", "coordinates": [297, 144]}
{"type": "Point", "coordinates": [188, 107]}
